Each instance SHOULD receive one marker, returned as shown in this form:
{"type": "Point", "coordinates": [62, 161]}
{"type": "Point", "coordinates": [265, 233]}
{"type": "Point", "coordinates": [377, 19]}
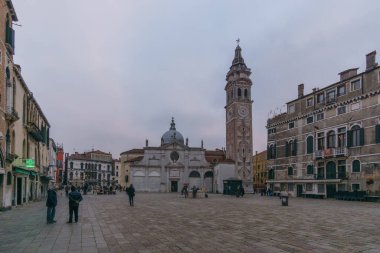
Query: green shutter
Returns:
{"type": "Point", "coordinates": [286, 149]}
{"type": "Point", "coordinates": [349, 138]}
{"type": "Point", "coordinates": [377, 130]}
{"type": "Point", "coordinates": [361, 136]}
{"type": "Point", "coordinates": [309, 145]}
{"type": "Point", "coordinates": [295, 148]}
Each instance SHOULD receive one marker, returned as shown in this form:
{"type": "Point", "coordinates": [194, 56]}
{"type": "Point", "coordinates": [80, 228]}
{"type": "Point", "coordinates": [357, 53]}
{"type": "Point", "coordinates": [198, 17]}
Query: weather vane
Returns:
{"type": "Point", "coordinates": [238, 40]}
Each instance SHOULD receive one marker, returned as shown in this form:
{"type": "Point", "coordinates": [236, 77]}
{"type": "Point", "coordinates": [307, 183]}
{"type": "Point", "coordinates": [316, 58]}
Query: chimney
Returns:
{"type": "Point", "coordinates": [371, 60]}
{"type": "Point", "coordinates": [300, 90]}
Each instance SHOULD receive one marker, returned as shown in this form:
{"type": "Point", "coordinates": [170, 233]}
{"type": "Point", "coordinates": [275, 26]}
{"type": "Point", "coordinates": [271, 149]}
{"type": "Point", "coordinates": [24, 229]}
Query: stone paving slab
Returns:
{"type": "Point", "coordinates": [165, 222]}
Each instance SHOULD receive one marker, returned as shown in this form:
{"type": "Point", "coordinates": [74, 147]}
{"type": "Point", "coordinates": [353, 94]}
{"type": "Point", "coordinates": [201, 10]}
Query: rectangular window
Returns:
{"type": "Point", "coordinates": [341, 169]}
{"type": "Point", "coordinates": [341, 187]}
{"type": "Point", "coordinates": [341, 90]}
{"type": "Point", "coordinates": [330, 96]}
{"type": "Point", "coordinates": [321, 170]}
{"type": "Point", "coordinates": [290, 171]}
{"type": "Point", "coordinates": [309, 102]}
{"type": "Point", "coordinates": [341, 137]}
{"type": "Point", "coordinates": [355, 106]}
{"type": "Point", "coordinates": [321, 141]}
{"type": "Point", "coordinates": [320, 116]}
{"type": "Point", "coordinates": [341, 110]}
{"type": "Point", "coordinates": [291, 125]}
{"type": "Point", "coordinates": [309, 187]}
{"type": "Point", "coordinates": [355, 187]}
{"type": "Point", "coordinates": [321, 188]}
{"type": "Point", "coordinates": [271, 130]}
{"type": "Point", "coordinates": [355, 85]}
{"type": "Point", "coordinates": [292, 108]}
{"type": "Point", "coordinates": [320, 98]}
{"type": "Point", "coordinates": [309, 119]}
{"type": "Point", "coordinates": [290, 187]}
{"type": "Point", "coordinates": [310, 170]}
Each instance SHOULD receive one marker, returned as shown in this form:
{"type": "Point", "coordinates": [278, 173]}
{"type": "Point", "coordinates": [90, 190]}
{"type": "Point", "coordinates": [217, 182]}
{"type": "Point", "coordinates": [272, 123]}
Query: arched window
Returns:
{"type": "Point", "coordinates": [331, 170]}
{"type": "Point", "coordinates": [81, 166]}
{"type": "Point", "coordinates": [71, 165]}
{"type": "Point", "coordinates": [309, 145]}
{"type": "Point", "coordinates": [290, 171]}
{"type": "Point", "coordinates": [194, 174]}
{"type": "Point", "coordinates": [271, 151]}
{"type": "Point", "coordinates": [245, 93]}
{"type": "Point", "coordinates": [356, 136]}
{"type": "Point", "coordinates": [291, 148]}
{"type": "Point", "coordinates": [239, 93]}
{"type": "Point", "coordinates": [331, 139]}
{"type": "Point", "coordinates": [356, 166]}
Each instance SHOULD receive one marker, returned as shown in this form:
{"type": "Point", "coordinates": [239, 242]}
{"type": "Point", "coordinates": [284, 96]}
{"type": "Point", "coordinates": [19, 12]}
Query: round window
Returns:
{"type": "Point", "coordinates": [174, 156]}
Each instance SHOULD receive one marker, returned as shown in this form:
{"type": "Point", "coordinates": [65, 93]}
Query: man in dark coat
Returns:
{"type": "Point", "coordinates": [51, 203]}
{"type": "Point", "coordinates": [74, 198]}
{"type": "Point", "coordinates": [131, 194]}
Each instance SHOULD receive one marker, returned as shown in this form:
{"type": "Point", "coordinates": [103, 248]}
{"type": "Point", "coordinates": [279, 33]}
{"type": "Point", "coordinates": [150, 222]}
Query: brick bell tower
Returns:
{"type": "Point", "coordinates": [239, 118]}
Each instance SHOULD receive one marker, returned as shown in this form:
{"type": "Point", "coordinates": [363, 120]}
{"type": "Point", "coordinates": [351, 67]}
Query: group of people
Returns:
{"type": "Point", "coordinates": [75, 197]}
{"type": "Point", "coordinates": [51, 202]}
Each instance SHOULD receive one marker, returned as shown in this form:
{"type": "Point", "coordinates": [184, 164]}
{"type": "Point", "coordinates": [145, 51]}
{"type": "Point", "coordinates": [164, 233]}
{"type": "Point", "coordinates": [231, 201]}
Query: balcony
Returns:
{"type": "Point", "coordinates": [35, 132]}
{"type": "Point", "coordinates": [330, 100]}
{"type": "Point", "coordinates": [10, 114]}
{"type": "Point", "coordinates": [330, 152]}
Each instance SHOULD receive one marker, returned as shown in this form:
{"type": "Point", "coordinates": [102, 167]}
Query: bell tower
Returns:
{"type": "Point", "coordinates": [239, 118]}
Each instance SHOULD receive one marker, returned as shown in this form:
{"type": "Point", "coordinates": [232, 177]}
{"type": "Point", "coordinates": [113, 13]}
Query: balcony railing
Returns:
{"type": "Point", "coordinates": [35, 132]}
{"type": "Point", "coordinates": [330, 152]}
{"type": "Point", "coordinates": [10, 114]}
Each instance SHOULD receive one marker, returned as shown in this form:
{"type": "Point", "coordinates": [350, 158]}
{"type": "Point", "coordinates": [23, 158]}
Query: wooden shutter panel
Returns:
{"type": "Point", "coordinates": [268, 152]}
{"type": "Point", "coordinates": [309, 145]}
{"type": "Point", "coordinates": [274, 151]}
{"type": "Point", "coordinates": [295, 148]}
{"type": "Point", "coordinates": [377, 130]}
{"type": "Point", "coordinates": [361, 136]}
{"type": "Point", "coordinates": [349, 138]}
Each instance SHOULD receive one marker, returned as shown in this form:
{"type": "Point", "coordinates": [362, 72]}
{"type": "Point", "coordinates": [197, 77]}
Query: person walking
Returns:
{"type": "Point", "coordinates": [51, 203]}
{"type": "Point", "coordinates": [131, 194]}
{"type": "Point", "coordinates": [74, 198]}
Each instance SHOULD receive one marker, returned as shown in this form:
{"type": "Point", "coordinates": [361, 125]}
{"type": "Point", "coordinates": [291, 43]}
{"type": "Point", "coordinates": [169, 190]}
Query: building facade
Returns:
{"type": "Point", "coordinates": [328, 140]}
{"type": "Point", "coordinates": [126, 159]}
{"type": "Point", "coordinates": [239, 119]}
{"type": "Point", "coordinates": [91, 168]}
{"type": "Point", "coordinates": [260, 171]}
{"type": "Point", "coordinates": [24, 129]}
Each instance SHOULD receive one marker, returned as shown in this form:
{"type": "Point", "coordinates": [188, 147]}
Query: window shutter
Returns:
{"type": "Point", "coordinates": [349, 138]}
{"type": "Point", "coordinates": [295, 148]}
{"type": "Point", "coordinates": [361, 136]}
{"type": "Point", "coordinates": [309, 145]}
{"type": "Point", "coordinates": [268, 152]}
{"type": "Point", "coordinates": [377, 130]}
{"type": "Point", "coordinates": [286, 149]}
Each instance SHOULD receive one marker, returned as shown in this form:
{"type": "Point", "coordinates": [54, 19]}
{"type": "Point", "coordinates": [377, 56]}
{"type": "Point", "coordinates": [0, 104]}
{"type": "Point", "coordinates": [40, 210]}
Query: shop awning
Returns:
{"type": "Point", "coordinates": [21, 171]}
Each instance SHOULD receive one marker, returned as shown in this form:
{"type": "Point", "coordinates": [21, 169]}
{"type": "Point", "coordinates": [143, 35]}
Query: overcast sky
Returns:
{"type": "Point", "coordinates": [109, 74]}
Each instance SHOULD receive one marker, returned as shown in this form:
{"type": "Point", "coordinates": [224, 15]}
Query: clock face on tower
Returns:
{"type": "Point", "coordinates": [243, 111]}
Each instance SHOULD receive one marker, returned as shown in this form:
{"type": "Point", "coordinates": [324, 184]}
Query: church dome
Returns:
{"type": "Point", "coordinates": [172, 135]}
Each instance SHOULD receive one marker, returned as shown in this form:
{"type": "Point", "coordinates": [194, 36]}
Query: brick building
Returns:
{"type": "Point", "coordinates": [328, 140]}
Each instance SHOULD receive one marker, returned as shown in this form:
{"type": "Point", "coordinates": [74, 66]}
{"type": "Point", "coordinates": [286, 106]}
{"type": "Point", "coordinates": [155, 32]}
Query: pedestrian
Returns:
{"type": "Point", "coordinates": [74, 198]}
{"type": "Point", "coordinates": [51, 203]}
{"type": "Point", "coordinates": [131, 194]}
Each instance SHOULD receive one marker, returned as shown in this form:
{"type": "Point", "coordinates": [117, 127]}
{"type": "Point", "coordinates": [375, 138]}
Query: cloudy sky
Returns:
{"type": "Point", "coordinates": [109, 74]}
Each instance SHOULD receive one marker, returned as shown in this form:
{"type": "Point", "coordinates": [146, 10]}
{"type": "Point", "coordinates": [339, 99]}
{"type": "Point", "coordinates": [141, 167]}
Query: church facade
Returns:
{"type": "Point", "coordinates": [172, 165]}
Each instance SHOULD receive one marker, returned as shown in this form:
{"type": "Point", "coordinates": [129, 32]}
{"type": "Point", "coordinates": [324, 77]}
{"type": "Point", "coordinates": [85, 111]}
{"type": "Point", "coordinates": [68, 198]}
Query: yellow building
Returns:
{"type": "Point", "coordinates": [260, 173]}
{"type": "Point", "coordinates": [126, 159]}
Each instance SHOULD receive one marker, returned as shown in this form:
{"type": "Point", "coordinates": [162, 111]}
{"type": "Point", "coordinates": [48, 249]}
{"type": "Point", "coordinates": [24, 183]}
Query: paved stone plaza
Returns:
{"type": "Point", "coordinates": [170, 223]}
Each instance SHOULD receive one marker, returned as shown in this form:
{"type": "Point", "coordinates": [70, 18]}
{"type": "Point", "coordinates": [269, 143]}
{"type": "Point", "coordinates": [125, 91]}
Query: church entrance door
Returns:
{"type": "Point", "coordinates": [173, 186]}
